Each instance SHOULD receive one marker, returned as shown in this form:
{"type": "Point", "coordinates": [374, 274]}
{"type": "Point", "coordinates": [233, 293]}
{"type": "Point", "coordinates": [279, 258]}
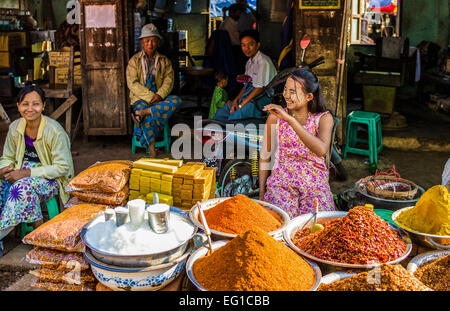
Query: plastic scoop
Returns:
{"type": "Point", "coordinates": [205, 227]}
{"type": "Point", "coordinates": [304, 42]}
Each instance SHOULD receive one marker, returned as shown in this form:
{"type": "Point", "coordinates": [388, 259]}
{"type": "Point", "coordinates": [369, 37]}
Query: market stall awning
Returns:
{"type": "Point", "coordinates": [382, 6]}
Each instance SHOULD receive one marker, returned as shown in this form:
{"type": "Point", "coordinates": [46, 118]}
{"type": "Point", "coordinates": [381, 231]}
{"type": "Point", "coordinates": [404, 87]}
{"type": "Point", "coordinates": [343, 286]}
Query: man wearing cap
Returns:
{"type": "Point", "coordinates": [150, 79]}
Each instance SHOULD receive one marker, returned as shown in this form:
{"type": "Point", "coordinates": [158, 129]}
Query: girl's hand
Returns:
{"type": "Point", "coordinates": [5, 170]}
{"type": "Point", "coordinates": [278, 112]}
{"type": "Point", "coordinates": [15, 175]}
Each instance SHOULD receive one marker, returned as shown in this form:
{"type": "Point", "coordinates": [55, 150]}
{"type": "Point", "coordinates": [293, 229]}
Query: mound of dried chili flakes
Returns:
{"type": "Point", "coordinates": [361, 237]}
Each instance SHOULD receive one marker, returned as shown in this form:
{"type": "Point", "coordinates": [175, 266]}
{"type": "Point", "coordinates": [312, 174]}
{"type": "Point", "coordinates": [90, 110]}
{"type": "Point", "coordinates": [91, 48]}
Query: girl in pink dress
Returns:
{"type": "Point", "coordinates": [300, 134]}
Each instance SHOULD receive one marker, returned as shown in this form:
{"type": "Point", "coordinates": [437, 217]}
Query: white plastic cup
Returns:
{"type": "Point", "coordinates": [136, 210]}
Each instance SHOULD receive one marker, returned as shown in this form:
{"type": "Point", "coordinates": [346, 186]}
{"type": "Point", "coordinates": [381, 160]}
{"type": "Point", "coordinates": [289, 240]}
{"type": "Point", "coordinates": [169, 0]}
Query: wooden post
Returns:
{"type": "Point", "coordinates": [323, 23]}
{"type": "Point", "coordinates": [341, 99]}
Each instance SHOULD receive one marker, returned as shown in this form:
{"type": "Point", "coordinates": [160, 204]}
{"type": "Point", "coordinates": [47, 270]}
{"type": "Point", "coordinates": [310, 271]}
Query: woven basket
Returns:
{"type": "Point", "coordinates": [387, 187]}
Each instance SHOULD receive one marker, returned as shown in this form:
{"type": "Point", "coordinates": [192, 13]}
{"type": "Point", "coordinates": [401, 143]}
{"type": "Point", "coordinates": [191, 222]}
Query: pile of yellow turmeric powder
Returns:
{"type": "Point", "coordinates": [431, 215]}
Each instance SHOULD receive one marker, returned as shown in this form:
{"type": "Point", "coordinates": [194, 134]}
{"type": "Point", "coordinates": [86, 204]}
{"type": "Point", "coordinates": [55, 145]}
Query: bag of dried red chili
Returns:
{"type": "Point", "coordinates": [361, 237]}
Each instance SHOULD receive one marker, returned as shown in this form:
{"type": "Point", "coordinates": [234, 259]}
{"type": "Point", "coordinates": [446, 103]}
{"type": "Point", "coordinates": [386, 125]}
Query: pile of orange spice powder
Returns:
{"type": "Point", "coordinates": [254, 261]}
{"type": "Point", "coordinates": [239, 214]}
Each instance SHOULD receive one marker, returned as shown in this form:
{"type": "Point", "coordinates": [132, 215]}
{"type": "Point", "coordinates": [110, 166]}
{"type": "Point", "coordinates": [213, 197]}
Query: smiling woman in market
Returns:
{"type": "Point", "coordinates": [300, 134]}
{"type": "Point", "coordinates": [36, 163]}
{"type": "Point", "coordinates": [150, 79]}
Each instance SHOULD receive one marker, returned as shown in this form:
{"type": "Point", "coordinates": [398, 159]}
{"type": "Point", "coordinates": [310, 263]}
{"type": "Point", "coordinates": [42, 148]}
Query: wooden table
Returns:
{"type": "Point", "coordinates": [197, 73]}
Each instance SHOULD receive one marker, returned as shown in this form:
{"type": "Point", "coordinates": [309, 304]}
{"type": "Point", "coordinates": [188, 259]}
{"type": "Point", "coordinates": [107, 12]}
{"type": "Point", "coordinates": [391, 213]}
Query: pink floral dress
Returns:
{"type": "Point", "coordinates": [298, 175]}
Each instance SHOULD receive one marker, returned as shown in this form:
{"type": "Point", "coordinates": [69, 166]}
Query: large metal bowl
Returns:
{"type": "Point", "coordinates": [218, 235]}
{"type": "Point", "coordinates": [324, 217]}
{"type": "Point", "coordinates": [424, 258]}
{"type": "Point", "coordinates": [428, 240]}
{"type": "Point", "coordinates": [201, 252]}
{"type": "Point", "coordinates": [136, 279]}
{"type": "Point", "coordinates": [336, 276]}
{"type": "Point", "coordinates": [144, 260]}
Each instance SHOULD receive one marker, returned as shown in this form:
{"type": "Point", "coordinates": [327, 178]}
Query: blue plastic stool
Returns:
{"type": "Point", "coordinates": [165, 142]}
{"type": "Point", "coordinates": [52, 209]}
{"type": "Point", "coordinates": [374, 141]}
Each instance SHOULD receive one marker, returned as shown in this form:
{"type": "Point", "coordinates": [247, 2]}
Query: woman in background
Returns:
{"type": "Point", "coordinates": [36, 163]}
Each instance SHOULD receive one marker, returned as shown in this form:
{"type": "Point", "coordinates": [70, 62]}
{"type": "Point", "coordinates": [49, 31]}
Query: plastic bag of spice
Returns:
{"type": "Point", "coordinates": [57, 287]}
{"type": "Point", "coordinates": [62, 232]}
{"type": "Point", "coordinates": [109, 177]}
{"type": "Point", "coordinates": [118, 198]}
{"type": "Point", "coordinates": [76, 276]}
{"type": "Point", "coordinates": [56, 260]}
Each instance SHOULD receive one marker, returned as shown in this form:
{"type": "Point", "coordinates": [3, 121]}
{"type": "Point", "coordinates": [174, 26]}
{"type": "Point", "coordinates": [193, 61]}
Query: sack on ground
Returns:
{"type": "Point", "coordinates": [56, 260]}
{"type": "Point", "coordinates": [57, 287]}
{"type": "Point", "coordinates": [74, 277]}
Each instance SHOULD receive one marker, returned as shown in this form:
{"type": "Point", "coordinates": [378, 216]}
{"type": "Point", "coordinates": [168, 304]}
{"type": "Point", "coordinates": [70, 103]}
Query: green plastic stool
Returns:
{"type": "Point", "coordinates": [52, 209]}
{"type": "Point", "coordinates": [165, 142]}
{"type": "Point", "coordinates": [375, 141]}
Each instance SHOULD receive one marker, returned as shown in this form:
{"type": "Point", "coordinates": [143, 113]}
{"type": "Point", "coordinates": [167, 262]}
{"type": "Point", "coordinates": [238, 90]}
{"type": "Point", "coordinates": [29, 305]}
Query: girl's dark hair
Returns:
{"type": "Point", "coordinates": [219, 76]}
{"type": "Point", "coordinates": [28, 88]}
{"type": "Point", "coordinates": [310, 84]}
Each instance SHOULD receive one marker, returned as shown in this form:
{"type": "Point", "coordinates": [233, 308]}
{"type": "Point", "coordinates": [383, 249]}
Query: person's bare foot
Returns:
{"type": "Point", "coordinates": [152, 150]}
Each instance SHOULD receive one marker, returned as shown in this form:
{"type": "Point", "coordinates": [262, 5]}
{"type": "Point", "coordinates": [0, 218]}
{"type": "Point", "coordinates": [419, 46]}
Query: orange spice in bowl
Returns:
{"type": "Point", "coordinates": [254, 261]}
{"type": "Point", "coordinates": [239, 214]}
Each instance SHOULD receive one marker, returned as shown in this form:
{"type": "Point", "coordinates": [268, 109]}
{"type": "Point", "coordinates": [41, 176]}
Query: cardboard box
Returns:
{"type": "Point", "coordinates": [61, 59]}
{"type": "Point", "coordinates": [11, 41]}
{"type": "Point", "coordinates": [5, 59]}
{"type": "Point", "coordinates": [62, 76]}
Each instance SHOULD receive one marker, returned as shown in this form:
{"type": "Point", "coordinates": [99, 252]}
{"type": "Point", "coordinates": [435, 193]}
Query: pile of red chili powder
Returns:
{"type": "Point", "coordinates": [361, 237]}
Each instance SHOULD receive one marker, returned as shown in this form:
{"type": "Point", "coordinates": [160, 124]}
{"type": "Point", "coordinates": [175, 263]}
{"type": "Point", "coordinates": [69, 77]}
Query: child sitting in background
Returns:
{"type": "Point", "coordinates": [220, 96]}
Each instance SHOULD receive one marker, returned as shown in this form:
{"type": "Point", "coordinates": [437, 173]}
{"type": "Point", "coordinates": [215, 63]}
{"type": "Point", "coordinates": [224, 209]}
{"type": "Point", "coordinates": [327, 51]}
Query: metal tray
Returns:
{"type": "Point", "coordinates": [201, 252]}
{"type": "Point", "coordinates": [324, 217]}
{"type": "Point", "coordinates": [218, 235]}
{"type": "Point", "coordinates": [144, 260]}
{"type": "Point", "coordinates": [424, 258]}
